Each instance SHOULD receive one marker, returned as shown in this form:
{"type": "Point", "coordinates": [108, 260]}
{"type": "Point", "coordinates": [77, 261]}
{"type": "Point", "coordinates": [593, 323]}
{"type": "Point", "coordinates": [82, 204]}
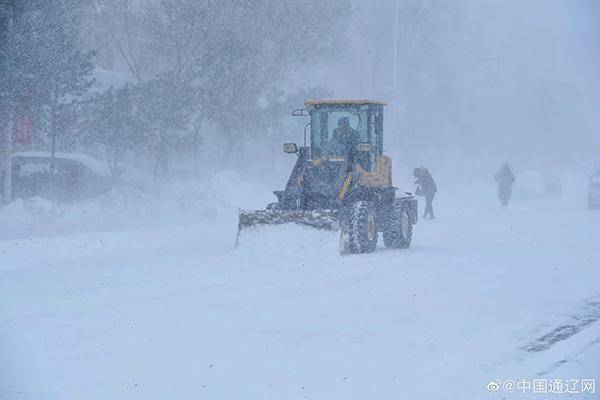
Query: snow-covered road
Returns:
{"type": "Point", "coordinates": [177, 313]}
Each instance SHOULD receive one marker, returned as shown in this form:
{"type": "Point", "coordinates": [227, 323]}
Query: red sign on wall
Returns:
{"type": "Point", "coordinates": [22, 132]}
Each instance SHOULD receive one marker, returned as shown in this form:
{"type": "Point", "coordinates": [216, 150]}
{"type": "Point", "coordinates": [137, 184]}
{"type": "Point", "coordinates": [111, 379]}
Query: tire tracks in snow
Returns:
{"type": "Point", "coordinates": [570, 358]}
{"type": "Point", "coordinates": [578, 322]}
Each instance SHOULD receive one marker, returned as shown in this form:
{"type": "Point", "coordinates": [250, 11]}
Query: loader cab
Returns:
{"type": "Point", "coordinates": [338, 127]}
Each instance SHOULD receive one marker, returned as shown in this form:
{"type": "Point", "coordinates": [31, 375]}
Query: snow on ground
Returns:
{"type": "Point", "coordinates": [126, 208]}
{"type": "Point", "coordinates": [173, 311]}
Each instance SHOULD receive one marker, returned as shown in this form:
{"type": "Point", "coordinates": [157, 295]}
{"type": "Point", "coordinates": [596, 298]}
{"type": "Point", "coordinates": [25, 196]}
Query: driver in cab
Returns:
{"type": "Point", "coordinates": [345, 138]}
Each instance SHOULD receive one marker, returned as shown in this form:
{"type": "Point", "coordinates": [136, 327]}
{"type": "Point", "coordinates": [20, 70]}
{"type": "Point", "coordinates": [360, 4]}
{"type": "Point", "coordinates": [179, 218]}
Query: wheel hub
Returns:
{"type": "Point", "coordinates": [404, 225]}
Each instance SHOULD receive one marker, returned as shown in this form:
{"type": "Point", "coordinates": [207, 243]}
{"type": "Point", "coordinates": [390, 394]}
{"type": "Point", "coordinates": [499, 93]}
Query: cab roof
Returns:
{"type": "Point", "coordinates": [315, 102]}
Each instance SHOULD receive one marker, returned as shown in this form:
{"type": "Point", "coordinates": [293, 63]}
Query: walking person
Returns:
{"type": "Point", "coordinates": [505, 179]}
{"type": "Point", "coordinates": [425, 187]}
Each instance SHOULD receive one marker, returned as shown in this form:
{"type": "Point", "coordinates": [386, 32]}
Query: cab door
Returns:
{"type": "Point", "coordinates": [370, 150]}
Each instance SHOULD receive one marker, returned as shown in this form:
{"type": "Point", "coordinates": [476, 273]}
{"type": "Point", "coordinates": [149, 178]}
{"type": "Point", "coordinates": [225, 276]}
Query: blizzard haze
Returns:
{"type": "Point", "coordinates": [143, 132]}
{"type": "Point", "coordinates": [479, 82]}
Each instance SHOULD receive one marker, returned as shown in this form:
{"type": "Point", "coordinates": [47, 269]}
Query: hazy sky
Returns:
{"type": "Point", "coordinates": [478, 79]}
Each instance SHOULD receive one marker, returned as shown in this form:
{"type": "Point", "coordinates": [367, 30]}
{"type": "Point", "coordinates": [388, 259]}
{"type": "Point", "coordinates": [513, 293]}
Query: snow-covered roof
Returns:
{"type": "Point", "coordinates": [106, 78]}
{"type": "Point", "coordinates": [129, 174]}
{"type": "Point", "coordinates": [313, 102]}
{"type": "Point", "coordinates": [96, 166]}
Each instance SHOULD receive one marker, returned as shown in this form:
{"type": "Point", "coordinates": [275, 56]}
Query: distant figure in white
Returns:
{"type": "Point", "coordinates": [505, 179]}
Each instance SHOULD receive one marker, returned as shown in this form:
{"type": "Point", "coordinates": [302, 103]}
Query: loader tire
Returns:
{"type": "Point", "coordinates": [397, 229]}
{"type": "Point", "coordinates": [360, 228]}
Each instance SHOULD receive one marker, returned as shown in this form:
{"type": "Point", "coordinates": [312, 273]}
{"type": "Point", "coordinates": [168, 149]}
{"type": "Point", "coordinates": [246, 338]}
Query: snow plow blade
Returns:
{"type": "Point", "coordinates": [320, 219]}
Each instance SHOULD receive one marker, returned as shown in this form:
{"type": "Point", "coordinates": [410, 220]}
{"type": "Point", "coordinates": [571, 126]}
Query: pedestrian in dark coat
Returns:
{"type": "Point", "coordinates": [505, 179]}
{"type": "Point", "coordinates": [425, 187]}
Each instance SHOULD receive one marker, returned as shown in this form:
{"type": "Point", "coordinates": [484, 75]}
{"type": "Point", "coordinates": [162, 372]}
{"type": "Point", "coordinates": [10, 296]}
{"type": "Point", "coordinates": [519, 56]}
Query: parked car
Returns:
{"type": "Point", "coordinates": [70, 176]}
{"type": "Point", "coordinates": [594, 190]}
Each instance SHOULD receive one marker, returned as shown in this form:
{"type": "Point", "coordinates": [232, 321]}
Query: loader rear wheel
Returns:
{"type": "Point", "coordinates": [360, 229]}
{"type": "Point", "coordinates": [397, 231]}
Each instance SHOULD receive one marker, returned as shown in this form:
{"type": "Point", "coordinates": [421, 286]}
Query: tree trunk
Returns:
{"type": "Point", "coordinates": [196, 140]}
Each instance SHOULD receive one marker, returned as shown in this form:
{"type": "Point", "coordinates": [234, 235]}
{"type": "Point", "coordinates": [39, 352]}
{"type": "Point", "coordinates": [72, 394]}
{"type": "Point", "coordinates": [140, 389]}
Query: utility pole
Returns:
{"type": "Point", "coordinates": [395, 102]}
{"type": "Point", "coordinates": [7, 190]}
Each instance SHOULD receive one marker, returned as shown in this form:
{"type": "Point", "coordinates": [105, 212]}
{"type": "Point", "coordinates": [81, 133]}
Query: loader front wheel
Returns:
{"type": "Point", "coordinates": [397, 230]}
{"type": "Point", "coordinates": [360, 229]}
